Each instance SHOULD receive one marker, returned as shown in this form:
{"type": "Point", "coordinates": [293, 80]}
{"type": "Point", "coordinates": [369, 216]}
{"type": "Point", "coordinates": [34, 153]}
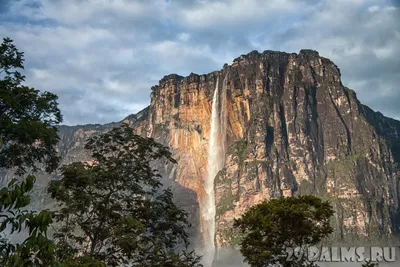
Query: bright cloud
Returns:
{"type": "Point", "coordinates": [102, 56]}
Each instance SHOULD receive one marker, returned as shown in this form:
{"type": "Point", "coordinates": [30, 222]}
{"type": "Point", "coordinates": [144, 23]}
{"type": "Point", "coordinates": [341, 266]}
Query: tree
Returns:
{"type": "Point", "coordinates": [370, 264]}
{"type": "Point", "coordinates": [272, 227]}
{"type": "Point", "coordinates": [27, 139]}
{"type": "Point", "coordinates": [113, 209]}
{"type": "Point", "coordinates": [27, 118]}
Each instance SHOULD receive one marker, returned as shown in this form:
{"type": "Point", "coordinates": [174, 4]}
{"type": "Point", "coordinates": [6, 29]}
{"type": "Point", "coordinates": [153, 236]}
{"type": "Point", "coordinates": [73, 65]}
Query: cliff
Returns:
{"type": "Point", "coordinates": [291, 128]}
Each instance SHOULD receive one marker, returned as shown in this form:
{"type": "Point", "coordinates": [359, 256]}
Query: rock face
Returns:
{"type": "Point", "coordinates": [292, 128]}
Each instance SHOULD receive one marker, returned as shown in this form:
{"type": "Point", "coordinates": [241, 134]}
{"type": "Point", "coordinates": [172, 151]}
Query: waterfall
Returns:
{"type": "Point", "coordinates": [215, 163]}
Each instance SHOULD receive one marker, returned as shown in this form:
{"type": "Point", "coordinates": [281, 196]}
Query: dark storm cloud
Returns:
{"type": "Point", "coordinates": [102, 57]}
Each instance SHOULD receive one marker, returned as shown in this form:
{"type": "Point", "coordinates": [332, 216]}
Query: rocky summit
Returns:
{"type": "Point", "coordinates": [291, 128]}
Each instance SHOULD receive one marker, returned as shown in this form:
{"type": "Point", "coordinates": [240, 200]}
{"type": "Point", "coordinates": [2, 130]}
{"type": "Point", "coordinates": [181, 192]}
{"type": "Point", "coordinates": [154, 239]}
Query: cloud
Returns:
{"type": "Point", "coordinates": [102, 56]}
{"type": "Point", "coordinates": [362, 38]}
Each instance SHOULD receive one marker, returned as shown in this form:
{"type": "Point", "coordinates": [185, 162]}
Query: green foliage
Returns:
{"type": "Point", "coordinates": [83, 261]}
{"type": "Point", "coordinates": [27, 117]}
{"type": "Point", "coordinates": [306, 187]}
{"type": "Point", "coordinates": [275, 225]}
{"type": "Point", "coordinates": [227, 200]}
{"type": "Point", "coordinates": [343, 169]}
{"type": "Point", "coordinates": [241, 149]}
{"type": "Point", "coordinates": [115, 210]}
{"type": "Point", "coordinates": [36, 248]}
{"type": "Point", "coordinates": [370, 264]}
{"type": "Point", "coordinates": [221, 178]}
{"type": "Point", "coordinates": [232, 235]}
{"type": "Point", "coordinates": [27, 138]}
{"type": "Point", "coordinates": [226, 203]}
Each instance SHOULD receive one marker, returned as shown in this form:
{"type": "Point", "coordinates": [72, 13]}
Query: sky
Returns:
{"type": "Point", "coordinates": [102, 56]}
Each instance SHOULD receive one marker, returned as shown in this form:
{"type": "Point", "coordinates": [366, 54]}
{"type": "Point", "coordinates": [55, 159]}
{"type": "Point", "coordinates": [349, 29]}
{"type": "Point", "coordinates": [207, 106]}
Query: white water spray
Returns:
{"type": "Point", "coordinates": [215, 163]}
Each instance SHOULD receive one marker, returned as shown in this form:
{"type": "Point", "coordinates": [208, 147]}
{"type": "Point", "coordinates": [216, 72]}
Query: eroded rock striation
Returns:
{"type": "Point", "coordinates": [291, 128]}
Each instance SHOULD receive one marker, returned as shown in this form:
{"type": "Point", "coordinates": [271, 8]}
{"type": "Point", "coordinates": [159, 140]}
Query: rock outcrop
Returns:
{"type": "Point", "coordinates": [292, 128]}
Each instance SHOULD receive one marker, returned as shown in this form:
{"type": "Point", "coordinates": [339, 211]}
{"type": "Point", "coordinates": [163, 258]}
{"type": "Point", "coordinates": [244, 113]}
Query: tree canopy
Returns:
{"type": "Point", "coordinates": [114, 210]}
{"type": "Point", "coordinates": [27, 117]}
{"type": "Point", "coordinates": [273, 226]}
{"type": "Point", "coordinates": [27, 142]}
